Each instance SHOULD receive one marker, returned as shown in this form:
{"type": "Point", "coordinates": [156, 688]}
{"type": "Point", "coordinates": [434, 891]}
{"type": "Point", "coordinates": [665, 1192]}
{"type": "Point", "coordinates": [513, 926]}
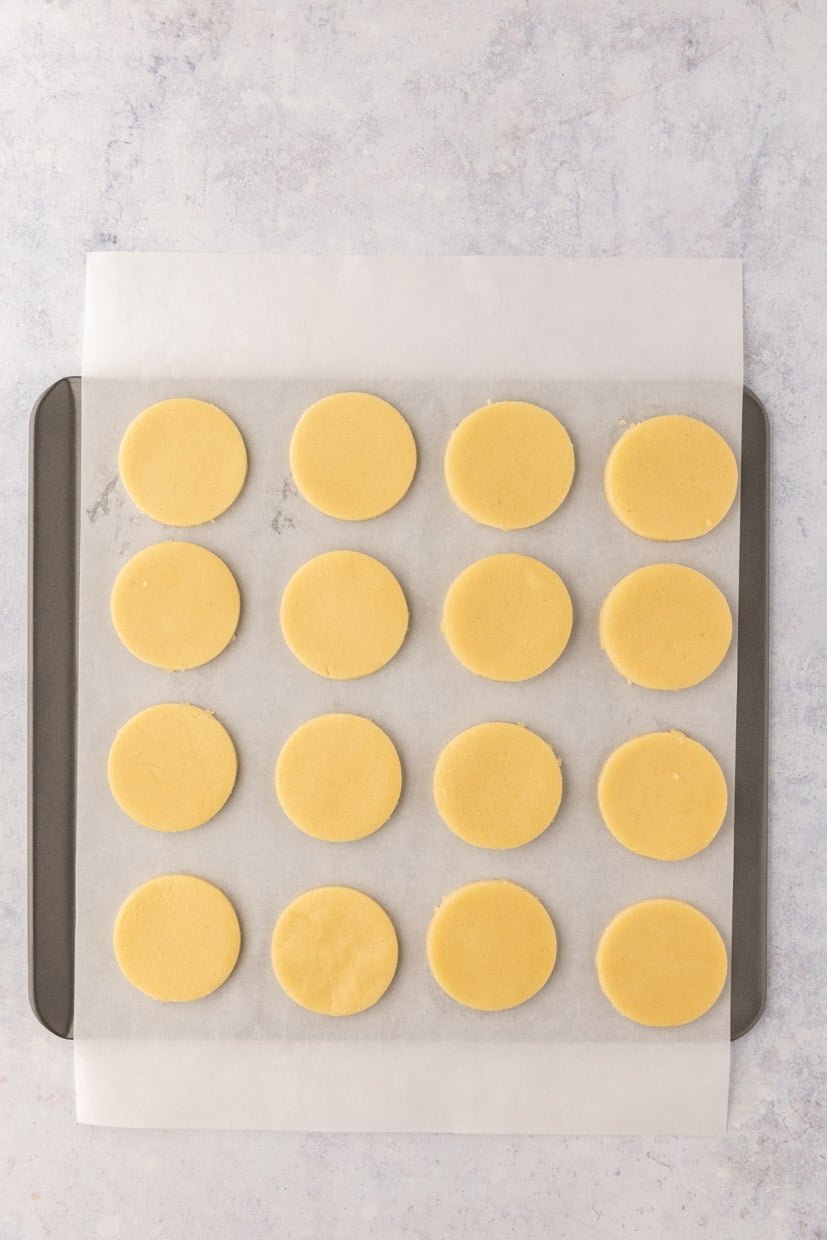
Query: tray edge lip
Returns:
{"type": "Point", "coordinates": [739, 1031]}
{"type": "Point", "coordinates": [71, 382]}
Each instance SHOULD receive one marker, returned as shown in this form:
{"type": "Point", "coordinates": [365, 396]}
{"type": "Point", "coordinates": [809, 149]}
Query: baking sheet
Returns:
{"type": "Point", "coordinates": [601, 343]}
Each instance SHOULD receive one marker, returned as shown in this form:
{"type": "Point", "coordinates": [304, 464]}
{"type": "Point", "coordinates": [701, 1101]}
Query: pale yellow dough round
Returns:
{"type": "Point", "coordinates": [491, 945]}
{"type": "Point", "coordinates": [352, 456]}
{"type": "Point", "coordinates": [183, 461]}
{"type": "Point", "coordinates": [661, 962]}
{"type": "Point", "coordinates": [334, 951]}
{"type": "Point", "coordinates": [175, 605]}
{"type": "Point", "coordinates": [343, 615]}
{"type": "Point", "coordinates": [671, 478]}
{"type": "Point", "coordinates": [177, 938]}
{"type": "Point", "coordinates": [172, 767]}
{"type": "Point", "coordinates": [507, 617]}
{"type": "Point", "coordinates": [509, 465]}
{"type": "Point", "coordinates": [339, 777]}
{"type": "Point", "coordinates": [665, 626]}
{"type": "Point", "coordinates": [498, 785]}
{"type": "Point", "coordinates": [663, 796]}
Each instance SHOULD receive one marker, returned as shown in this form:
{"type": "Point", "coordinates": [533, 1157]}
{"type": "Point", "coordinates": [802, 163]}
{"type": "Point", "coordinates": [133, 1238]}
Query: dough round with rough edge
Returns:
{"type": "Point", "coordinates": [661, 963]}
{"type": "Point", "coordinates": [498, 785]}
{"type": "Point", "coordinates": [334, 951]}
{"type": "Point", "coordinates": [491, 945]}
{"type": "Point", "coordinates": [339, 777]}
{"type": "Point", "coordinates": [183, 461]}
{"type": "Point", "coordinates": [663, 795]}
{"type": "Point", "coordinates": [509, 465]}
{"type": "Point", "coordinates": [671, 478]}
{"type": "Point", "coordinates": [172, 767]}
{"type": "Point", "coordinates": [665, 626]}
{"type": "Point", "coordinates": [352, 456]}
{"type": "Point", "coordinates": [344, 615]}
{"type": "Point", "coordinates": [177, 938]}
{"type": "Point", "coordinates": [175, 605]}
{"type": "Point", "coordinates": [507, 617]}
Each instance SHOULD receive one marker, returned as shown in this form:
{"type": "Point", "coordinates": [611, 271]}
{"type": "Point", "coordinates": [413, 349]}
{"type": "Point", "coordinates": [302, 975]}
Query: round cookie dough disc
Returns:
{"type": "Point", "coordinates": [507, 617]}
{"type": "Point", "coordinates": [661, 962]}
{"type": "Point", "coordinates": [663, 796]}
{"type": "Point", "coordinates": [352, 456]}
{"type": "Point", "coordinates": [183, 461]}
{"type": "Point", "coordinates": [334, 951]}
{"type": "Point", "coordinates": [177, 938]}
{"type": "Point", "coordinates": [671, 478]}
{"type": "Point", "coordinates": [343, 614]}
{"type": "Point", "coordinates": [665, 626]}
{"type": "Point", "coordinates": [497, 785]}
{"type": "Point", "coordinates": [491, 945]}
{"type": "Point", "coordinates": [339, 777]}
{"type": "Point", "coordinates": [172, 767]}
{"type": "Point", "coordinates": [509, 465]}
{"type": "Point", "coordinates": [175, 605]}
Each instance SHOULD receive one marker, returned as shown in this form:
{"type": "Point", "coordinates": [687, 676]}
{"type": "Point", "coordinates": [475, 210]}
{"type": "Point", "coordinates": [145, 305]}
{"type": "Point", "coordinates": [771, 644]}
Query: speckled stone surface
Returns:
{"type": "Point", "coordinates": [492, 127]}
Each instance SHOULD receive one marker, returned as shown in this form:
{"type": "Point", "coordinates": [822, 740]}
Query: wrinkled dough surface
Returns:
{"type": "Point", "coordinates": [334, 951]}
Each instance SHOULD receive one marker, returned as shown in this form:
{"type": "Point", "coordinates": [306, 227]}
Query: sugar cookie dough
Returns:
{"type": "Point", "coordinates": [334, 951]}
{"type": "Point", "coordinates": [172, 767]}
{"type": "Point", "coordinates": [352, 456]}
{"type": "Point", "coordinates": [507, 617]}
{"type": "Point", "coordinates": [183, 461]}
{"type": "Point", "coordinates": [663, 796]}
{"type": "Point", "coordinates": [343, 614]}
{"type": "Point", "coordinates": [661, 962]}
{"type": "Point", "coordinates": [491, 945]}
{"type": "Point", "coordinates": [509, 465]}
{"type": "Point", "coordinates": [665, 626]}
{"type": "Point", "coordinates": [497, 785]}
{"type": "Point", "coordinates": [175, 605]}
{"type": "Point", "coordinates": [339, 777]}
{"type": "Point", "coordinates": [671, 478]}
{"type": "Point", "coordinates": [177, 938]}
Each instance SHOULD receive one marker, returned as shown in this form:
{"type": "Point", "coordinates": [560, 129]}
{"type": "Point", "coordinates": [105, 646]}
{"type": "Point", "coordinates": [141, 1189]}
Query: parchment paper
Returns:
{"type": "Point", "coordinates": [601, 343]}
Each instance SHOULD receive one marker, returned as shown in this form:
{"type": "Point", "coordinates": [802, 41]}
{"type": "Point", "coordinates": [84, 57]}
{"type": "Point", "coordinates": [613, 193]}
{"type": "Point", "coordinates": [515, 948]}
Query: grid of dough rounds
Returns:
{"type": "Point", "coordinates": [492, 944]}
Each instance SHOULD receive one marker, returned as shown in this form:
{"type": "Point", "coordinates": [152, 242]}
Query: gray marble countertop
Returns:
{"type": "Point", "coordinates": [494, 127]}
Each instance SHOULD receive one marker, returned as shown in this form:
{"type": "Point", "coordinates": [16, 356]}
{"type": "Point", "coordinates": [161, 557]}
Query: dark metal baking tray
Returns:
{"type": "Point", "coordinates": [53, 573]}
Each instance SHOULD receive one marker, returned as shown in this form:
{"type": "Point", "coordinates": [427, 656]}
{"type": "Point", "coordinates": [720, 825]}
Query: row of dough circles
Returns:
{"type": "Point", "coordinates": [491, 946]}
{"type": "Point", "coordinates": [508, 465]}
{"type": "Point", "coordinates": [496, 785]}
{"type": "Point", "coordinates": [507, 617]}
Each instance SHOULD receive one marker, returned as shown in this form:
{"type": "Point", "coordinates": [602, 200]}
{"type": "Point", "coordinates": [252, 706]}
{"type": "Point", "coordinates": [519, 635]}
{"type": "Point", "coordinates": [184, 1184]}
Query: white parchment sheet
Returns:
{"type": "Point", "coordinates": [601, 343]}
